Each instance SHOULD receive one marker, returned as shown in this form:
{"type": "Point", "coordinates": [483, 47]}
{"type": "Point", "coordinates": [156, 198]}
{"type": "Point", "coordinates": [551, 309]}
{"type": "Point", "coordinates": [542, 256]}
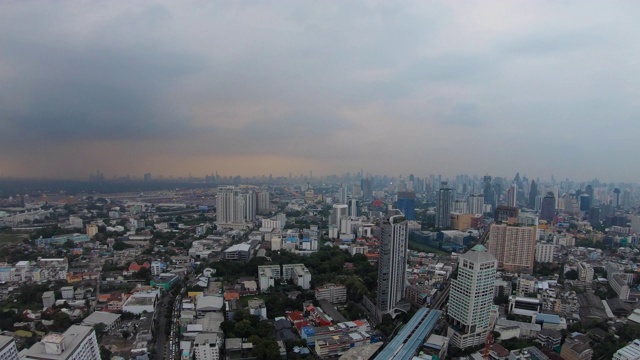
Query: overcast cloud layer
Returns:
{"type": "Point", "coordinates": [270, 87]}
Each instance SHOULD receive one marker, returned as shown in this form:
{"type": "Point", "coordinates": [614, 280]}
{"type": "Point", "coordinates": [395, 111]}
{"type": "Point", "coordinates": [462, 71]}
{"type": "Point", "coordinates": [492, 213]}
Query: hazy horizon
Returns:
{"type": "Point", "coordinates": [493, 87]}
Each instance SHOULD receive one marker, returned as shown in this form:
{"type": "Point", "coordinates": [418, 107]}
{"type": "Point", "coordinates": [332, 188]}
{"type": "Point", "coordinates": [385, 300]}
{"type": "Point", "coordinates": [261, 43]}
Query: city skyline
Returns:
{"type": "Point", "coordinates": [253, 88]}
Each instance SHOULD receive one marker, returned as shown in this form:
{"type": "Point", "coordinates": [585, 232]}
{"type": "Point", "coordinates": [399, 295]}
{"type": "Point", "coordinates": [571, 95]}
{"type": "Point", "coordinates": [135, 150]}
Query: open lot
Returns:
{"type": "Point", "coordinates": [12, 238]}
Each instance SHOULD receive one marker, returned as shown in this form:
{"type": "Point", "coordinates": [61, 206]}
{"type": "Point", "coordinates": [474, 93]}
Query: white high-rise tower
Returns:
{"type": "Point", "coordinates": [226, 204]}
{"type": "Point", "coordinates": [392, 263]}
{"type": "Point", "coordinates": [471, 297]}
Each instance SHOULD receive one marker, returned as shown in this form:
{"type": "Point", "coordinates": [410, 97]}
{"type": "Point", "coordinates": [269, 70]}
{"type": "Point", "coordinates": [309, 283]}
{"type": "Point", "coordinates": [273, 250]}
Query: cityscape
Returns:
{"type": "Point", "coordinates": [353, 180]}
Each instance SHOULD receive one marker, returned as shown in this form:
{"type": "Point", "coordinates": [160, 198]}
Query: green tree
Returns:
{"type": "Point", "coordinates": [571, 275]}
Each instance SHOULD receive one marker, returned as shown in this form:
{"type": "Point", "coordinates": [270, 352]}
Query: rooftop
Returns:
{"type": "Point", "coordinates": [101, 317]}
{"type": "Point", "coordinates": [71, 339]}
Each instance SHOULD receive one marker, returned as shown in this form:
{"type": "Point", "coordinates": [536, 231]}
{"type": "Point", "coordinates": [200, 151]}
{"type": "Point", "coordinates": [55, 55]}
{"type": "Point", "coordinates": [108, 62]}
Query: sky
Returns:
{"type": "Point", "coordinates": [271, 87]}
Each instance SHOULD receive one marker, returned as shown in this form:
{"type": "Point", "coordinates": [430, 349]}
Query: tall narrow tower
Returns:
{"type": "Point", "coordinates": [392, 263]}
{"type": "Point", "coordinates": [471, 297]}
{"type": "Point", "coordinates": [226, 204]}
{"type": "Point", "coordinates": [443, 208]}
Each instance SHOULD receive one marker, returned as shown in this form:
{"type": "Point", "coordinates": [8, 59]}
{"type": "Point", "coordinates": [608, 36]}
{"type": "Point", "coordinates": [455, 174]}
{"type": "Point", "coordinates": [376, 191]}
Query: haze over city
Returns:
{"type": "Point", "coordinates": [252, 88]}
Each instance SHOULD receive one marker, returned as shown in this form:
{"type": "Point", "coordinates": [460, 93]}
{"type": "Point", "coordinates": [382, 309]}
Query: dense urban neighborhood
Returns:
{"type": "Point", "coordinates": [361, 267]}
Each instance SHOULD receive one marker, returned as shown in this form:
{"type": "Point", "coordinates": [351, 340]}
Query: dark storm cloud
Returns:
{"type": "Point", "coordinates": [329, 83]}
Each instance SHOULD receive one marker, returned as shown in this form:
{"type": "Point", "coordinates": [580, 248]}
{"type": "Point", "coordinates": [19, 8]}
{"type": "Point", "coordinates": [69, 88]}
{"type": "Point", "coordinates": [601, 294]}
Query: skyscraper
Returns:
{"type": "Point", "coordinates": [342, 194]}
{"type": "Point", "coordinates": [392, 263]}
{"type": "Point", "coordinates": [533, 192]}
{"type": "Point", "coordinates": [407, 204]}
{"type": "Point", "coordinates": [476, 204]}
{"type": "Point", "coordinates": [512, 194]}
{"type": "Point", "coordinates": [489, 192]}
{"type": "Point", "coordinates": [264, 202]}
{"type": "Point", "coordinates": [443, 206]}
{"type": "Point", "coordinates": [548, 207]}
{"type": "Point", "coordinates": [226, 204]}
{"type": "Point", "coordinates": [471, 297]}
{"type": "Point", "coordinates": [513, 247]}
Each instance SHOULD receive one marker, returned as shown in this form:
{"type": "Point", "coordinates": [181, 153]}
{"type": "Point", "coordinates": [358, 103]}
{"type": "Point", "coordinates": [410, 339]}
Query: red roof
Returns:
{"type": "Point", "coordinates": [135, 267]}
{"type": "Point", "coordinates": [295, 316]}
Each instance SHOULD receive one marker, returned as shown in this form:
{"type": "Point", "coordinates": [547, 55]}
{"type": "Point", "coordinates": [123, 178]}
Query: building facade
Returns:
{"type": "Point", "coordinates": [392, 262]}
{"type": "Point", "coordinates": [471, 298]}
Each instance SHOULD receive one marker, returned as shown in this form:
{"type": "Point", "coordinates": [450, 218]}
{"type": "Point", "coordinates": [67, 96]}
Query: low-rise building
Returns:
{"type": "Point", "coordinates": [334, 293]}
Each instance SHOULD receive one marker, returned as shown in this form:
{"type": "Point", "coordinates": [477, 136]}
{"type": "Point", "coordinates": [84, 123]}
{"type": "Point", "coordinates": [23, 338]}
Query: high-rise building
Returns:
{"type": "Point", "coordinates": [250, 206]}
{"type": "Point", "coordinates": [226, 204]}
{"type": "Point", "coordinates": [339, 211]}
{"type": "Point", "coordinates": [407, 204]}
{"type": "Point", "coordinates": [77, 343]}
{"type": "Point", "coordinates": [533, 192]}
{"type": "Point", "coordinates": [443, 206]}
{"type": "Point", "coordinates": [585, 202]}
{"type": "Point", "coordinates": [585, 272]}
{"type": "Point", "coordinates": [512, 194]}
{"type": "Point", "coordinates": [505, 212]}
{"type": "Point", "coordinates": [489, 193]}
{"type": "Point", "coordinates": [548, 207]}
{"type": "Point", "coordinates": [354, 208]}
{"type": "Point", "coordinates": [476, 204]}
{"type": "Point", "coordinates": [342, 194]}
{"type": "Point", "coordinates": [264, 202]}
{"type": "Point", "coordinates": [513, 247]}
{"type": "Point", "coordinates": [471, 297]}
{"type": "Point", "coordinates": [367, 190]}
{"type": "Point", "coordinates": [392, 261]}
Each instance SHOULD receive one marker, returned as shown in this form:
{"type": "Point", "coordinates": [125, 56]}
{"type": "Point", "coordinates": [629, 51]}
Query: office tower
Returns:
{"type": "Point", "coordinates": [585, 202]}
{"type": "Point", "coordinates": [513, 247]}
{"type": "Point", "coordinates": [548, 207]}
{"type": "Point", "coordinates": [339, 211]}
{"type": "Point", "coordinates": [77, 343]}
{"type": "Point", "coordinates": [589, 191]}
{"type": "Point", "coordinates": [367, 190]}
{"type": "Point", "coordinates": [392, 261]}
{"type": "Point", "coordinates": [512, 193]}
{"type": "Point", "coordinates": [407, 204]}
{"type": "Point", "coordinates": [616, 197]}
{"type": "Point", "coordinates": [471, 297]}
{"type": "Point", "coordinates": [226, 204]}
{"type": "Point", "coordinates": [594, 216]}
{"type": "Point", "coordinates": [342, 194]}
{"type": "Point", "coordinates": [354, 208]}
{"type": "Point", "coordinates": [476, 204]}
{"type": "Point", "coordinates": [460, 206]}
{"type": "Point", "coordinates": [250, 206]}
{"type": "Point", "coordinates": [264, 202]}
{"type": "Point", "coordinates": [443, 206]}
{"type": "Point", "coordinates": [489, 193]}
{"type": "Point", "coordinates": [533, 192]}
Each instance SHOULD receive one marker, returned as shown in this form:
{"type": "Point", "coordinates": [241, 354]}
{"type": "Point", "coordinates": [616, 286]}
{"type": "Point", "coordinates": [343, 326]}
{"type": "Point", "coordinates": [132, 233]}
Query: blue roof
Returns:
{"type": "Point", "coordinates": [548, 318]}
{"type": "Point", "coordinates": [411, 336]}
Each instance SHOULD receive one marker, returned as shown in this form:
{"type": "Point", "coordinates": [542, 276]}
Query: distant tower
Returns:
{"type": "Point", "coordinates": [476, 204]}
{"type": "Point", "coordinates": [392, 262]}
{"type": "Point", "coordinates": [443, 207]}
{"type": "Point", "coordinates": [471, 298]}
{"type": "Point", "coordinates": [226, 206]}
{"type": "Point", "coordinates": [489, 192]}
{"type": "Point", "coordinates": [407, 204]}
{"type": "Point", "coordinates": [512, 194]}
{"type": "Point", "coordinates": [548, 207]}
{"type": "Point", "coordinates": [533, 192]}
{"type": "Point", "coordinates": [616, 197]}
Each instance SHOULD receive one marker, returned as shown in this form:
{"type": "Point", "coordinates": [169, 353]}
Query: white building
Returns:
{"type": "Point", "coordinates": [258, 308]}
{"type": "Point", "coordinates": [75, 222]}
{"type": "Point", "coordinates": [471, 297]}
{"type": "Point", "coordinates": [156, 268]}
{"type": "Point", "coordinates": [8, 349]}
{"type": "Point", "coordinates": [629, 352]}
{"type": "Point", "coordinates": [141, 301]}
{"type": "Point", "coordinates": [77, 343]}
{"type": "Point", "coordinates": [335, 294]}
{"type": "Point", "coordinates": [271, 275]}
{"type": "Point", "coordinates": [206, 347]}
{"type": "Point", "coordinates": [67, 292]}
{"type": "Point", "coordinates": [392, 261]}
{"type": "Point", "coordinates": [48, 299]}
{"type": "Point", "coordinates": [476, 204]}
{"type": "Point", "coordinates": [544, 252]}
{"type": "Point", "coordinates": [585, 272]}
